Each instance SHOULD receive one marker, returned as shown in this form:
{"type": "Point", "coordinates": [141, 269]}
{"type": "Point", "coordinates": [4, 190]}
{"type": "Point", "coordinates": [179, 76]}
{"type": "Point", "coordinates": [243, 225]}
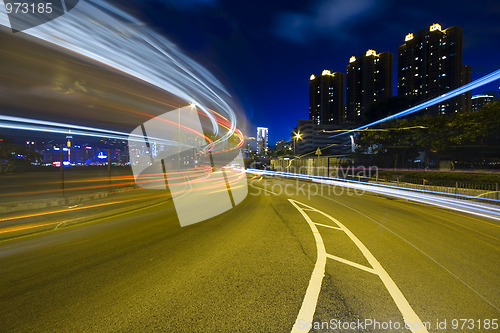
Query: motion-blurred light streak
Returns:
{"type": "Point", "coordinates": [102, 32]}
{"type": "Point", "coordinates": [427, 197]}
{"type": "Point", "coordinates": [213, 193]}
{"type": "Point", "coordinates": [65, 210]}
{"type": "Point", "coordinates": [463, 89]}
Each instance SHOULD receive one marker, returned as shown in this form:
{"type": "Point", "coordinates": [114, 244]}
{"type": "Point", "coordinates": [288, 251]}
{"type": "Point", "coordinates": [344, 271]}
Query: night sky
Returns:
{"type": "Point", "coordinates": [265, 50]}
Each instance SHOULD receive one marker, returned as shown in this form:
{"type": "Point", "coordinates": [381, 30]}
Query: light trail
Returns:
{"type": "Point", "coordinates": [80, 208]}
{"type": "Point", "coordinates": [454, 93]}
{"type": "Point", "coordinates": [422, 196]}
{"type": "Point", "coordinates": [37, 125]}
{"type": "Point", "coordinates": [106, 34]}
{"type": "Point", "coordinates": [20, 123]}
{"type": "Point", "coordinates": [147, 178]}
{"type": "Point", "coordinates": [376, 129]}
{"type": "Point", "coordinates": [233, 179]}
{"type": "Point", "coordinates": [187, 177]}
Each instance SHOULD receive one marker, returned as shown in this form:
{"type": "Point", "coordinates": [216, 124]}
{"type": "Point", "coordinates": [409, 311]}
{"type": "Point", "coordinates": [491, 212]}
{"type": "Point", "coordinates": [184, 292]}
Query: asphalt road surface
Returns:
{"type": "Point", "coordinates": [250, 269]}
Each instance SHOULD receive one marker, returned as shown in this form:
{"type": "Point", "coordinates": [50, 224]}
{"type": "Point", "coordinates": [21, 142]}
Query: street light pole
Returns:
{"type": "Point", "coordinates": [295, 138]}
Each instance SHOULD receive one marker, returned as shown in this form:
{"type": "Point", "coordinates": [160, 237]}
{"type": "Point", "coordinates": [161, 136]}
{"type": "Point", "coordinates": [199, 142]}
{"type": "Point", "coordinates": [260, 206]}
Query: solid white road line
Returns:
{"type": "Point", "coordinates": [308, 308]}
{"type": "Point", "coordinates": [348, 262]}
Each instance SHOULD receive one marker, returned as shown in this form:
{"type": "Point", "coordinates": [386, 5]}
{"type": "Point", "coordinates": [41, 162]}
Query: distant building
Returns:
{"type": "Point", "coordinates": [284, 146]}
{"type": "Point", "coordinates": [326, 98]}
{"type": "Point", "coordinates": [313, 136]}
{"type": "Point", "coordinates": [479, 100]}
{"type": "Point", "coordinates": [369, 80]}
{"type": "Point", "coordinates": [250, 143]}
{"type": "Point", "coordinates": [262, 140]}
{"type": "Point", "coordinates": [85, 154]}
{"type": "Point", "coordinates": [430, 64]}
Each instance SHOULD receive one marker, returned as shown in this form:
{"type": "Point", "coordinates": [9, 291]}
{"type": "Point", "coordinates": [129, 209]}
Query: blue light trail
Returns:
{"type": "Point", "coordinates": [463, 89]}
{"type": "Point", "coordinates": [428, 197]}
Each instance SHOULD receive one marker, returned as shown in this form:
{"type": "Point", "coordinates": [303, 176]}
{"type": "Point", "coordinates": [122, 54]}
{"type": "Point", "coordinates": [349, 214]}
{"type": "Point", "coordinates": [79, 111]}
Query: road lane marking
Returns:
{"type": "Point", "coordinates": [348, 262]}
{"type": "Point", "coordinates": [74, 206]}
{"type": "Point", "coordinates": [419, 250]}
{"type": "Point", "coordinates": [313, 289]}
{"type": "Point", "coordinates": [327, 226]}
{"type": "Point", "coordinates": [60, 224]}
{"type": "Point", "coordinates": [309, 303]}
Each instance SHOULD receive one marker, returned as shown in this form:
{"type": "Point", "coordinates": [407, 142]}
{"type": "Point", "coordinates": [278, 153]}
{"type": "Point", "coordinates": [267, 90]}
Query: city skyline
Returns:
{"type": "Point", "coordinates": [247, 44]}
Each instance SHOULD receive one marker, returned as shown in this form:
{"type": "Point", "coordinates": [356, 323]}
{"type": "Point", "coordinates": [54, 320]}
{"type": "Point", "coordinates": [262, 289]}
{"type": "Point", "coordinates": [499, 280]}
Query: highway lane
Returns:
{"type": "Point", "coordinates": [445, 263]}
{"type": "Point", "coordinates": [142, 272]}
{"type": "Point", "coordinates": [248, 270]}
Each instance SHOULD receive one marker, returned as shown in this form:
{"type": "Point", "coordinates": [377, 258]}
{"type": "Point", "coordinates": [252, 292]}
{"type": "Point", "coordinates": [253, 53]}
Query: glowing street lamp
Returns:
{"type": "Point", "coordinates": [297, 136]}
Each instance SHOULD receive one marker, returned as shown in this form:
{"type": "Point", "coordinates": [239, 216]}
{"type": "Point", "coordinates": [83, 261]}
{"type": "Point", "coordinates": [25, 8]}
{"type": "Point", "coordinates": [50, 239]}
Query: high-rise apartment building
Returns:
{"type": "Point", "coordinates": [326, 98]}
{"type": "Point", "coordinates": [369, 80]}
{"type": "Point", "coordinates": [430, 64]}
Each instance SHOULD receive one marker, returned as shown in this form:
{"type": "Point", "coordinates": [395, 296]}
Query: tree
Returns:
{"type": "Point", "coordinates": [474, 135]}
{"type": "Point", "coordinates": [16, 157]}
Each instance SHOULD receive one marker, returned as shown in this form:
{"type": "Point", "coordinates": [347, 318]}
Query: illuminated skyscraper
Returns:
{"type": "Point", "coordinates": [262, 139]}
{"type": "Point", "coordinates": [326, 98]}
{"type": "Point", "coordinates": [369, 80]}
{"type": "Point", "coordinates": [430, 64]}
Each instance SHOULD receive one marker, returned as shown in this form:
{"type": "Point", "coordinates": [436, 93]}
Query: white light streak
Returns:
{"type": "Point", "coordinates": [104, 33]}
{"type": "Point", "coordinates": [26, 124]}
{"type": "Point", "coordinates": [422, 196]}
